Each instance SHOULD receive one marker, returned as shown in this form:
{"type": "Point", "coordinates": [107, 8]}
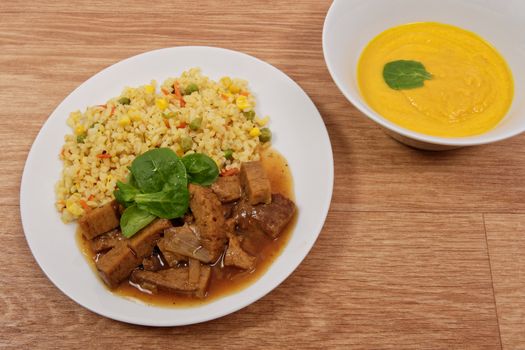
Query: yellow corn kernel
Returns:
{"type": "Point", "coordinates": [262, 122]}
{"type": "Point", "coordinates": [178, 150]}
{"type": "Point", "coordinates": [80, 129]}
{"type": "Point", "coordinates": [242, 102]}
{"type": "Point", "coordinates": [255, 132]}
{"type": "Point", "coordinates": [234, 89]}
{"type": "Point", "coordinates": [124, 121]}
{"type": "Point", "coordinates": [149, 89]}
{"type": "Point", "coordinates": [134, 115]}
{"type": "Point", "coordinates": [75, 116]}
{"type": "Point", "coordinates": [226, 81]}
{"type": "Point", "coordinates": [74, 207]}
{"type": "Point", "coordinates": [161, 103]}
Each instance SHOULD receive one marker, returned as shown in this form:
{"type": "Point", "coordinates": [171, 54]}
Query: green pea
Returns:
{"type": "Point", "coordinates": [266, 135]}
{"type": "Point", "coordinates": [124, 101]}
{"type": "Point", "coordinates": [81, 138]}
{"type": "Point", "coordinates": [186, 142]}
{"type": "Point", "coordinates": [228, 154]}
{"type": "Point", "coordinates": [169, 115]}
{"type": "Point", "coordinates": [195, 124]}
{"type": "Point", "coordinates": [191, 88]}
{"type": "Point", "coordinates": [249, 114]}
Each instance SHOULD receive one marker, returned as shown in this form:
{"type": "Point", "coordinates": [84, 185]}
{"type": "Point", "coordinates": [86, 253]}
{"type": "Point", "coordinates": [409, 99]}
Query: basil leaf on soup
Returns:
{"type": "Point", "coordinates": [153, 169]}
{"type": "Point", "coordinates": [201, 169]}
{"type": "Point", "coordinates": [404, 75]}
{"type": "Point", "coordinates": [170, 203]}
{"type": "Point", "coordinates": [134, 219]}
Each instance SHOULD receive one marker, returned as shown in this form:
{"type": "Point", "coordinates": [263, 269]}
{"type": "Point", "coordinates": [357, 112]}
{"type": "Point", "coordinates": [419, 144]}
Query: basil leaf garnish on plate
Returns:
{"type": "Point", "coordinates": [405, 74]}
{"type": "Point", "coordinates": [153, 169]}
{"type": "Point", "coordinates": [201, 169]}
{"type": "Point", "coordinates": [157, 186]}
{"type": "Point", "coordinates": [134, 219]}
{"type": "Point", "coordinates": [125, 193]}
{"type": "Point", "coordinates": [170, 203]}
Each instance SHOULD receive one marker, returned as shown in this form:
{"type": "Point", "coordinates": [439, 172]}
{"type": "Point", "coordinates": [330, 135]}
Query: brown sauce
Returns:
{"type": "Point", "coordinates": [224, 280]}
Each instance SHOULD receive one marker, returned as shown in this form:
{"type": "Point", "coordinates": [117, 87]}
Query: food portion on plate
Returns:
{"type": "Point", "coordinates": [190, 114]}
{"type": "Point", "coordinates": [436, 79]}
{"type": "Point", "coordinates": [178, 193]}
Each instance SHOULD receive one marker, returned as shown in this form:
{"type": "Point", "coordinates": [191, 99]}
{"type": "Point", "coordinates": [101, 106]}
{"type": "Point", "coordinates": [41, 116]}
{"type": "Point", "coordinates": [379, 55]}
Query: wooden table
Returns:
{"type": "Point", "coordinates": [420, 250]}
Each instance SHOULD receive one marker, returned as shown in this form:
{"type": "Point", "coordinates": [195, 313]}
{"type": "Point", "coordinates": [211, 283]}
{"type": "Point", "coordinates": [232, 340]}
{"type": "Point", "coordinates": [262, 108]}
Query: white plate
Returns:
{"type": "Point", "coordinates": [299, 134]}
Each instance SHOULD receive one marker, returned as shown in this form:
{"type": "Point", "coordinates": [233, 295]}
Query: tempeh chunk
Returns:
{"type": "Point", "coordinates": [255, 183]}
{"type": "Point", "coordinates": [227, 188]}
{"type": "Point", "coordinates": [100, 220]}
{"type": "Point", "coordinates": [236, 256]}
{"type": "Point", "coordinates": [116, 265]}
{"type": "Point", "coordinates": [209, 219]}
{"type": "Point", "coordinates": [143, 242]}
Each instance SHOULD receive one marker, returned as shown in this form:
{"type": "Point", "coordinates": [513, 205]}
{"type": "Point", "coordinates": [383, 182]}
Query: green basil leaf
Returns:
{"type": "Point", "coordinates": [131, 180]}
{"type": "Point", "coordinates": [125, 194]}
{"type": "Point", "coordinates": [404, 75]}
{"type": "Point", "coordinates": [157, 167]}
{"type": "Point", "coordinates": [170, 203]}
{"type": "Point", "coordinates": [134, 219]}
{"type": "Point", "coordinates": [201, 169]}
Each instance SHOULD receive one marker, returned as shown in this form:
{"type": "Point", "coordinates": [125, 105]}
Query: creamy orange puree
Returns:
{"type": "Point", "coordinates": [470, 92]}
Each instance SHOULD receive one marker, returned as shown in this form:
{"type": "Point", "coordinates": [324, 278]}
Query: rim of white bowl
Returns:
{"type": "Point", "coordinates": [368, 112]}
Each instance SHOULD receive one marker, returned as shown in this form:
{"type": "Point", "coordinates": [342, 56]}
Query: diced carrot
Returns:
{"type": "Point", "coordinates": [112, 111]}
{"type": "Point", "coordinates": [176, 90]}
{"type": "Point", "coordinates": [229, 172]}
{"type": "Point", "coordinates": [224, 97]}
{"type": "Point", "coordinates": [182, 125]}
{"type": "Point", "coordinates": [91, 197]}
{"type": "Point", "coordinates": [178, 94]}
{"type": "Point", "coordinates": [103, 155]}
{"type": "Point", "coordinates": [84, 205]}
{"type": "Point", "coordinates": [167, 123]}
{"type": "Point", "coordinates": [164, 91]}
{"type": "Point", "coordinates": [245, 93]}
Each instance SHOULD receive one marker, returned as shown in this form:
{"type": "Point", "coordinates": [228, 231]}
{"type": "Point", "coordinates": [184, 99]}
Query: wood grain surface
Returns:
{"type": "Point", "coordinates": [420, 250]}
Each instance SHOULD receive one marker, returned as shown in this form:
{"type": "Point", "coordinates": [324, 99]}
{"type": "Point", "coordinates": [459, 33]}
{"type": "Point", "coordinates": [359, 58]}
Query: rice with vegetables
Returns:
{"type": "Point", "coordinates": [189, 114]}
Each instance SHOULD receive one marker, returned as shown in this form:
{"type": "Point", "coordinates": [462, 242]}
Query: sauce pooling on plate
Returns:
{"type": "Point", "coordinates": [436, 79]}
{"type": "Point", "coordinates": [224, 279]}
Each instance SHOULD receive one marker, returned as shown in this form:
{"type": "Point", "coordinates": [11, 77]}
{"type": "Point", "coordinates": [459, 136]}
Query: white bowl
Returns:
{"type": "Point", "coordinates": [351, 24]}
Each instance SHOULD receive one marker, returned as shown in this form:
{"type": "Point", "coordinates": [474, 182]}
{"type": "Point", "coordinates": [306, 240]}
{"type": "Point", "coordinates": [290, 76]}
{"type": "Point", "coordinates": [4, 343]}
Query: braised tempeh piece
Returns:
{"type": "Point", "coordinates": [106, 241]}
{"type": "Point", "coordinates": [175, 280]}
{"type": "Point", "coordinates": [227, 188]}
{"type": "Point", "coordinates": [209, 219]}
{"type": "Point", "coordinates": [100, 220]}
{"type": "Point", "coordinates": [255, 183]}
{"type": "Point", "coordinates": [116, 265]}
{"type": "Point", "coordinates": [236, 256]}
{"type": "Point", "coordinates": [143, 242]}
{"type": "Point", "coordinates": [272, 218]}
